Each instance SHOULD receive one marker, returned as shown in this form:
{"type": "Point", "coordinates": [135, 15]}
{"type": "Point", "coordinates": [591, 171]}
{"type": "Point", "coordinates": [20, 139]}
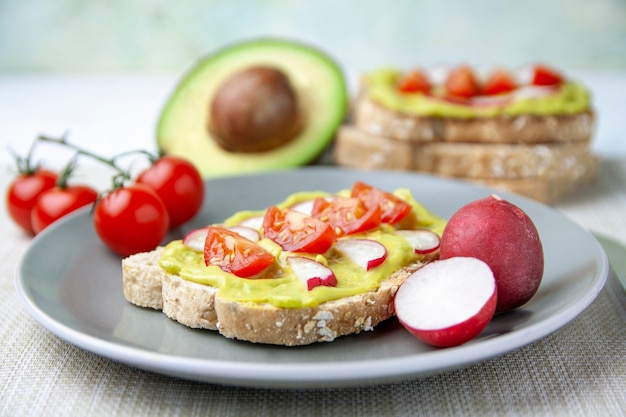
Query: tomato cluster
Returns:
{"type": "Point", "coordinates": [366, 209]}
{"type": "Point", "coordinates": [463, 83]}
{"type": "Point", "coordinates": [132, 217]}
{"type": "Point", "coordinates": [135, 218]}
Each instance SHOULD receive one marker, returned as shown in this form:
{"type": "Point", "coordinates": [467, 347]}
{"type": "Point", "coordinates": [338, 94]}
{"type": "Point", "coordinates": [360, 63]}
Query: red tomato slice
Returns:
{"type": "Point", "coordinates": [393, 209]}
{"type": "Point", "coordinates": [234, 253]}
{"type": "Point", "coordinates": [297, 232]}
{"type": "Point", "coordinates": [544, 75]}
{"type": "Point", "coordinates": [499, 82]}
{"type": "Point", "coordinates": [461, 82]}
{"type": "Point", "coordinates": [347, 215]}
{"type": "Point", "coordinates": [414, 82]}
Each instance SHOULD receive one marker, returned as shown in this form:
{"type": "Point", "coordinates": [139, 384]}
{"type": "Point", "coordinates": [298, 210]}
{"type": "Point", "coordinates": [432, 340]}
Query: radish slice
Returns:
{"type": "Point", "coordinates": [305, 207]}
{"type": "Point", "coordinates": [255, 222]}
{"type": "Point", "coordinates": [195, 239]}
{"type": "Point", "coordinates": [366, 253]}
{"type": "Point", "coordinates": [447, 303]}
{"type": "Point", "coordinates": [423, 241]}
{"type": "Point", "coordinates": [312, 273]}
{"type": "Point", "coordinates": [247, 232]}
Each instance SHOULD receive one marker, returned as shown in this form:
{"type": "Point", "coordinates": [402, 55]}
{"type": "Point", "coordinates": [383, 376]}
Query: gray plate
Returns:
{"type": "Point", "coordinates": [71, 284]}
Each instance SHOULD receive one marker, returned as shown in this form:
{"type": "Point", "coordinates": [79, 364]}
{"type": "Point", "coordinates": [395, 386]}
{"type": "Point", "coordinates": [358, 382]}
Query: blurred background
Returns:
{"type": "Point", "coordinates": [102, 69]}
{"type": "Point", "coordinates": [163, 35]}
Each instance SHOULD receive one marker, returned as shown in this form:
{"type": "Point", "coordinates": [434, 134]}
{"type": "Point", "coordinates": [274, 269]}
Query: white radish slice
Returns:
{"type": "Point", "coordinates": [255, 222]}
{"type": "Point", "coordinates": [312, 273]}
{"type": "Point", "coordinates": [366, 253]}
{"type": "Point", "coordinates": [449, 302]}
{"type": "Point", "coordinates": [247, 232]}
{"type": "Point", "coordinates": [423, 241]}
{"type": "Point", "coordinates": [305, 207]}
{"type": "Point", "coordinates": [534, 91]}
{"type": "Point", "coordinates": [195, 239]}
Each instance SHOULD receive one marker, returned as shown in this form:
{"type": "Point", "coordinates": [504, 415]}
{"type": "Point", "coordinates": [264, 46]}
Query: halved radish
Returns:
{"type": "Point", "coordinates": [447, 303]}
{"type": "Point", "coordinates": [195, 239]}
{"type": "Point", "coordinates": [366, 253]}
{"type": "Point", "coordinates": [423, 241]}
{"type": "Point", "coordinates": [311, 272]}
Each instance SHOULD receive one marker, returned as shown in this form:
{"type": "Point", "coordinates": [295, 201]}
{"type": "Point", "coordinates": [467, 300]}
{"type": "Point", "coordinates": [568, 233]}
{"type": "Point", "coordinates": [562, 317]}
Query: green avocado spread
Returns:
{"type": "Point", "coordinates": [278, 286]}
{"type": "Point", "coordinates": [568, 98]}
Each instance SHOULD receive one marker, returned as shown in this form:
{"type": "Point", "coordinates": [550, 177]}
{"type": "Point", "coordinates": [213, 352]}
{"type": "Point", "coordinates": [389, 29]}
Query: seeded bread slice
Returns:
{"type": "Point", "coordinates": [200, 306]}
{"type": "Point", "coordinates": [544, 172]}
{"type": "Point", "coordinates": [371, 117]}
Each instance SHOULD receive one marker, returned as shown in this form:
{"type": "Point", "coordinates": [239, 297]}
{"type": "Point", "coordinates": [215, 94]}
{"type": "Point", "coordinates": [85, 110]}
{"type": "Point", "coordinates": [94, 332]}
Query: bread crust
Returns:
{"type": "Point", "coordinates": [372, 117]}
{"type": "Point", "coordinates": [200, 306]}
{"type": "Point", "coordinates": [543, 172]}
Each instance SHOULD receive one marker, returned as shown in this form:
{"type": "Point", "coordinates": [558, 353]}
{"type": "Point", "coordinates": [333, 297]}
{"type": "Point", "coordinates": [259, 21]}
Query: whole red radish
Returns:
{"type": "Point", "coordinates": [447, 302]}
{"type": "Point", "coordinates": [502, 235]}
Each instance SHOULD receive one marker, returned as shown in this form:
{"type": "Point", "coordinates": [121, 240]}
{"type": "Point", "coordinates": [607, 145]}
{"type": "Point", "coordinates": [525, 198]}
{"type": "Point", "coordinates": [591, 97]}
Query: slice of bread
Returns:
{"type": "Point", "coordinates": [544, 172]}
{"type": "Point", "coordinates": [371, 117]}
{"type": "Point", "coordinates": [471, 160]}
{"type": "Point", "coordinates": [199, 306]}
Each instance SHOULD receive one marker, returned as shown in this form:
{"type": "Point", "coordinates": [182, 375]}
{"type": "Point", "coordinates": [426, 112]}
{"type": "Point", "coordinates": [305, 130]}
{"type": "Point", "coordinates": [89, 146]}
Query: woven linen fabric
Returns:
{"type": "Point", "coordinates": [580, 370]}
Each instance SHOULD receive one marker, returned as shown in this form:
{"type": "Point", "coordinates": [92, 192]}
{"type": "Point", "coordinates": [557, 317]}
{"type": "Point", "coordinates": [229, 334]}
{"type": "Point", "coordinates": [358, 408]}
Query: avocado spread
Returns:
{"type": "Point", "coordinates": [570, 97]}
{"type": "Point", "coordinates": [279, 286]}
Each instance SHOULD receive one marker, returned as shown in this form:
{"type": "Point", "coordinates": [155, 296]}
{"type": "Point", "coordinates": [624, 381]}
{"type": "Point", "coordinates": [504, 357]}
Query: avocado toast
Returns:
{"type": "Point", "coordinates": [289, 301]}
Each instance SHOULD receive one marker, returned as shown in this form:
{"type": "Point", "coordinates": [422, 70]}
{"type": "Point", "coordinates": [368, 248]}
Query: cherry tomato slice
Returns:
{"type": "Point", "coordinates": [58, 202]}
{"type": "Point", "coordinates": [499, 82]}
{"type": "Point", "coordinates": [346, 215]}
{"type": "Point", "coordinates": [131, 219]}
{"type": "Point", "coordinates": [415, 82]}
{"type": "Point", "coordinates": [543, 75]}
{"type": "Point", "coordinates": [461, 82]}
{"type": "Point", "coordinates": [234, 253]}
{"type": "Point", "coordinates": [296, 232]}
{"type": "Point", "coordinates": [179, 185]}
{"type": "Point", "coordinates": [23, 193]}
{"type": "Point", "coordinates": [393, 209]}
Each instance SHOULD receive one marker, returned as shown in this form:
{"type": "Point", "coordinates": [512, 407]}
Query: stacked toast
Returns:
{"type": "Point", "coordinates": [517, 140]}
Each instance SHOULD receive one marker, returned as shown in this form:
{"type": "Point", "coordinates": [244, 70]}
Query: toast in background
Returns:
{"type": "Point", "coordinates": [501, 141]}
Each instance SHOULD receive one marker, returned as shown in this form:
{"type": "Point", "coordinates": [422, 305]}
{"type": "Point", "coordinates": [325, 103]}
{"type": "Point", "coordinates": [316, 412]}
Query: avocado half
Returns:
{"type": "Point", "coordinates": [318, 81]}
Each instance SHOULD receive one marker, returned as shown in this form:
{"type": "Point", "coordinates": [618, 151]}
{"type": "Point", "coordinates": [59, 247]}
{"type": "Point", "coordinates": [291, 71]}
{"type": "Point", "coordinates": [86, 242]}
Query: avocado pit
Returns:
{"type": "Point", "coordinates": [254, 110]}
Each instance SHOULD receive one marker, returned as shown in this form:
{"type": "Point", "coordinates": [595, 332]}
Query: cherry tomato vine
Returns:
{"type": "Point", "coordinates": [132, 216]}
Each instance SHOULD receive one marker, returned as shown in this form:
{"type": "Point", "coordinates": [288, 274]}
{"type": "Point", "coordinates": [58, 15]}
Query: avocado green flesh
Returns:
{"type": "Point", "coordinates": [318, 81]}
{"type": "Point", "coordinates": [279, 286]}
{"type": "Point", "coordinates": [569, 99]}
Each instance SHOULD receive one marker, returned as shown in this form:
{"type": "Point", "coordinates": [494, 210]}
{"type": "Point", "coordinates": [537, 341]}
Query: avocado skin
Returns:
{"type": "Point", "coordinates": [318, 80]}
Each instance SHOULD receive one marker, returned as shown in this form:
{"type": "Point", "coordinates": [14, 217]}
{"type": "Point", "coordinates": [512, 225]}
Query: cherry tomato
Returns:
{"type": "Point", "coordinates": [415, 82]}
{"type": "Point", "coordinates": [56, 202]}
{"type": "Point", "coordinates": [543, 75]}
{"type": "Point", "coordinates": [23, 193]}
{"type": "Point", "coordinates": [131, 219]}
{"type": "Point", "coordinates": [393, 209]}
{"type": "Point", "coordinates": [234, 253]}
{"type": "Point", "coordinates": [346, 215]}
{"type": "Point", "coordinates": [461, 82]}
{"type": "Point", "coordinates": [500, 81]}
{"type": "Point", "coordinates": [297, 232]}
{"type": "Point", "coordinates": [179, 185]}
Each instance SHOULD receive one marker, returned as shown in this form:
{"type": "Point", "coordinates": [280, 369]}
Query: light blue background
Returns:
{"type": "Point", "coordinates": [167, 35]}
